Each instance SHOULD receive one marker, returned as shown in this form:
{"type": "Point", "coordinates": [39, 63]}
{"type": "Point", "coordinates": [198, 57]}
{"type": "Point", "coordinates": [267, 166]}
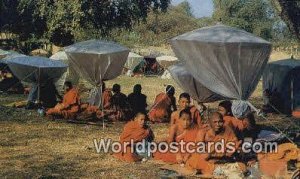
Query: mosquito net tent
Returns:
{"type": "Point", "coordinates": [97, 61]}
{"type": "Point", "coordinates": [281, 79]}
{"type": "Point", "coordinates": [190, 85]}
{"type": "Point", "coordinates": [227, 61]}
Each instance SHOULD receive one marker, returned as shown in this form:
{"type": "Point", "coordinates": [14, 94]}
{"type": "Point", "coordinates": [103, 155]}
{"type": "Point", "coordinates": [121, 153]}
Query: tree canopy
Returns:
{"type": "Point", "coordinates": [61, 21]}
{"type": "Point", "coordinates": [254, 16]}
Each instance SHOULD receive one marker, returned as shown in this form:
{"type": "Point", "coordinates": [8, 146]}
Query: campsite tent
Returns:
{"type": "Point", "coordinates": [282, 78]}
{"type": "Point", "coordinates": [149, 66]}
{"type": "Point", "coordinates": [70, 75]}
{"type": "Point", "coordinates": [167, 61]}
{"type": "Point", "coordinates": [190, 85]}
{"type": "Point", "coordinates": [133, 60]}
{"type": "Point", "coordinates": [36, 70]}
{"type": "Point", "coordinates": [97, 61]}
{"type": "Point", "coordinates": [228, 61]}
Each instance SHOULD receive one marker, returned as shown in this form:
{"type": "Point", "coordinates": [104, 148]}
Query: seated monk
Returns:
{"type": "Point", "coordinates": [163, 104]}
{"type": "Point", "coordinates": [242, 112]}
{"type": "Point", "coordinates": [120, 105]}
{"type": "Point", "coordinates": [70, 104]}
{"type": "Point", "coordinates": [184, 103]}
{"type": "Point", "coordinates": [215, 132]}
{"type": "Point", "coordinates": [106, 97]}
{"type": "Point", "coordinates": [137, 131]}
{"type": "Point", "coordinates": [183, 130]}
{"type": "Point", "coordinates": [137, 100]}
{"type": "Point", "coordinates": [225, 109]}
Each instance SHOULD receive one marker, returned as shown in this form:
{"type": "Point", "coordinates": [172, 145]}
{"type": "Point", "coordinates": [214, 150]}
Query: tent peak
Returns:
{"type": "Point", "coordinates": [220, 34]}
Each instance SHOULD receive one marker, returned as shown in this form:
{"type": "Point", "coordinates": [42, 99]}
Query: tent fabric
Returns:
{"type": "Point", "coordinates": [133, 61]}
{"type": "Point", "coordinates": [278, 78]}
{"type": "Point", "coordinates": [3, 53]}
{"type": "Point", "coordinates": [36, 69]}
{"type": "Point", "coordinates": [240, 108]}
{"type": "Point", "coordinates": [167, 61]}
{"type": "Point", "coordinates": [228, 61]}
{"type": "Point", "coordinates": [97, 61]}
{"type": "Point", "coordinates": [190, 85]}
{"type": "Point", "coordinates": [166, 75]}
{"type": "Point", "coordinates": [70, 75]}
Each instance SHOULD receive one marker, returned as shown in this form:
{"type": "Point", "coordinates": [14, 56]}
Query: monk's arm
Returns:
{"type": "Point", "coordinates": [238, 124]}
{"type": "Point", "coordinates": [173, 118]}
{"type": "Point", "coordinates": [73, 99]}
{"type": "Point", "coordinates": [172, 134]}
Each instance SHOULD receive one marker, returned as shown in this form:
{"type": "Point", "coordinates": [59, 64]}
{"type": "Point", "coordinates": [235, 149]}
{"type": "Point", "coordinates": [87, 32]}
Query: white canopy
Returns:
{"type": "Point", "coordinates": [166, 61]}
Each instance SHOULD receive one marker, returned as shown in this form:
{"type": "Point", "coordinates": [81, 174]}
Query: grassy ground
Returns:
{"type": "Point", "coordinates": [35, 147]}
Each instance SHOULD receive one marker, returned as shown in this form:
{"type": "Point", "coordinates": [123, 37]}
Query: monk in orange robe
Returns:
{"type": "Point", "coordinates": [106, 97]}
{"type": "Point", "coordinates": [137, 131]}
{"type": "Point", "coordinates": [70, 104]}
{"type": "Point", "coordinates": [184, 103]}
{"type": "Point", "coordinates": [215, 132]}
{"type": "Point", "coordinates": [275, 164]}
{"type": "Point", "coordinates": [183, 130]}
{"type": "Point", "coordinates": [229, 120]}
{"type": "Point", "coordinates": [163, 104]}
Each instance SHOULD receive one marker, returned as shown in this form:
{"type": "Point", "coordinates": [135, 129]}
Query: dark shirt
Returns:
{"type": "Point", "coordinates": [138, 102]}
{"type": "Point", "coordinates": [119, 101]}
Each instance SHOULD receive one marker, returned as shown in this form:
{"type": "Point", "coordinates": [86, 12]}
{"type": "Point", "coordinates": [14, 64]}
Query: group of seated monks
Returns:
{"type": "Point", "coordinates": [115, 105]}
{"type": "Point", "coordinates": [186, 124]}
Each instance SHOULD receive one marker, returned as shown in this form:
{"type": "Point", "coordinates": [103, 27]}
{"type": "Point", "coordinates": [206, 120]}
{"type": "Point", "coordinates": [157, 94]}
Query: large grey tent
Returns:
{"type": "Point", "coordinates": [70, 75]}
{"type": "Point", "coordinates": [228, 61]}
{"type": "Point", "coordinates": [281, 78]}
{"type": "Point", "coordinates": [97, 61]}
{"type": "Point", "coordinates": [190, 85]}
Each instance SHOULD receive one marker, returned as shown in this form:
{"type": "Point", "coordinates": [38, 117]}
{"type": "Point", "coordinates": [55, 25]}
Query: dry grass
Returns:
{"type": "Point", "coordinates": [35, 147]}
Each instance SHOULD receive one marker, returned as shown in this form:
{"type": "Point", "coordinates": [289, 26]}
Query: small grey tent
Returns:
{"type": "Point", "coordinates": [133, 61]}
{"type": "Point", "coordinates": [282, 79]}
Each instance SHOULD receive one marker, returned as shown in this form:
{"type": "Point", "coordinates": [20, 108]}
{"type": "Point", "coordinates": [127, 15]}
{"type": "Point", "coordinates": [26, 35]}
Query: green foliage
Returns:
{"type": "Point", "coordinates": [64, 21]}
{"type": "Point", "coordinates": [254, 16]}
{"type": "Point", "coordinates": [158, 27]}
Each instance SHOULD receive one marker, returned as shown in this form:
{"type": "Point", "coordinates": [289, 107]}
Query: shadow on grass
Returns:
{"type": "Point", "coordinates": [56, 168]}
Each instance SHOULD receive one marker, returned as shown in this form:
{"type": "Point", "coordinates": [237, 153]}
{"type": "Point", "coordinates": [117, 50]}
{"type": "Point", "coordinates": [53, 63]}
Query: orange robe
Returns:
{"type": "Point", "coordinates": [189, 135]}
{"type": "Point", "coordinates": [69, 106]}
{"type": "Point", "coordinates": [196, 116]}
{"type": "Point", "coordinates": [201, 161]}
{"type": "Point", "coordinates": [296, 113]}
{"type": "Point", "coordinates": [161, 108]}
{"type": "Point", "coordinates": [275, 164]}
{"type": "Point", "coordinates": [234, 123]}
{"type": "Point", "coordinates": [132, 131]}
{"type": "Point", "coordinates": [106, 97]}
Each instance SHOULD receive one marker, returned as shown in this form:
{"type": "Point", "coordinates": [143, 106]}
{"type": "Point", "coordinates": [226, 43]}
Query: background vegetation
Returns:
{"type": "Point", "coordinates": [32, 24]}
